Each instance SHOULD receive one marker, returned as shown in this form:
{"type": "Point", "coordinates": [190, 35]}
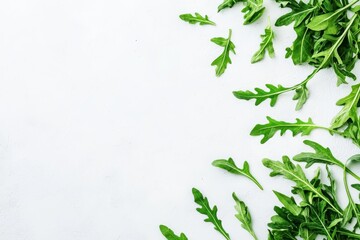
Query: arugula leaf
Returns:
{"type": "Point", "coordinates": [302, 46]}
{"type": "Point", "coordinates": [261, 95]}
{"type": "Point", "coordinates": [322, 155]}
{"type": "Point", "coordinates": [228, 4]}
{"type": "Point", "coordinates": [289, 203]}
{"type": "Point", "coordinates": [295, 173]}
{"type": "Point", "coordinates": [224, 59]}
{"type": "Point", "coordinates": [170, 235]}
{"type": "Point", "coordinates": [265, 45]}
{"type": "Point", "coordinates": [301, 95]}
{"type": "Point", "coordinates": [197, 18]}
{"type": "Point", "coordinates": [268, 130]}
{"type": "Point", "coordinates": [349, 111]}
{"type": "Point", "coordinates": [244, 216]}
{"type": "Point", "coordinates": [253, 10]}
{"type": "Point", "coordinates": [209, 212]}
{"type": "Point", "coordinates": [299, 13]}
{"type": "Point", "coordinates": [230, 166]}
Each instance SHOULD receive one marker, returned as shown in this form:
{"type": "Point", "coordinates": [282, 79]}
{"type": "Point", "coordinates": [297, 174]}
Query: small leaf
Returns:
{"type": "Point", "coordinates": [349, 110]}
{"type": "Point", "coordinates": [265, 45]}
{"type": "Point", "coordinates": [268, 130]}
{"type": "Point", "coordinates": [211, 213]}
{"type": "Point", "coordinates": [170, 235]}
{"type": "Point", "coordinates": [223, 60]}
{"type": "Point", "coordinates": [301, 95]}
{"type": "Point", "coordinates": [244, 216]}
{"type": "Point", "coordinates": [228, 4]}
{"type": "Point", "coordinates": [230, 166]}
{"type": "Point", "coordinates": [261, 95]}
{"type": "Point", "coordinates": [289, 203]}
{"type": "Point", "coordinates": [197, 18]}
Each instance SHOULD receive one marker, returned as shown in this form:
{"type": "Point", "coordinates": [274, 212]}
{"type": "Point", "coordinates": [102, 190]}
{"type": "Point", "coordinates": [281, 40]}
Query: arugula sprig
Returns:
{"type": "Point", "coordinates": [170, 235]}
{"type": "Point", "coordinates": [230, 166]}
{"type": "Point", "coordinates": [325, 38]}
{"type": "Point", "coordinates": [243, 215]}
{"type": "Point", "coordinates": [196, 18]}
{"type": "Point", "coordinates": [223, 60]}
{"type": "Point", "coordinates": [209, 212]}
{"type": "Point", "coordinates": [253, 9]}
{"type": "Point", "coordinates": [266, 45]}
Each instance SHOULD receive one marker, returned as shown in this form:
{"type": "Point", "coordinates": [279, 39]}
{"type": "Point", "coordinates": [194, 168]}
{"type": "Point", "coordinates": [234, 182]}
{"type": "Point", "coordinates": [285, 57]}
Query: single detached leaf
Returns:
{"type": "Point", "coordinates": [227, 4]}
{"type": "Point", "coordinates": [321, 155]}
{"type": "Point", "coordinates": [223, 60]}
{"type": "Point", "coordinates": [211, 213]}
{"type": "Point", "coordinates": [265, 45]}
{"type": "Point", "coordinates": [170, 235]}
{"type": "Point", "coordinates": [289, 203]}
{"type": "Point", "coordinates": [268, 130]}
{"type": "Point", "coordinates": [230, 166]}
{"type": "Point", "coordinates": [243, 215]}
{"type": "Point", "coordinates": [349, 110]}
{"type": "Point", "coordinates": [261, 95]}
{"type": "Point", "coordinates": [197, 18]}
{"type": "Point", "coordinates": [296, 174]}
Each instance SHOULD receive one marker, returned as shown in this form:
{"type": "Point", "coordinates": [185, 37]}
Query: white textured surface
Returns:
{"type": "Point", "coordinates": [111, 113]}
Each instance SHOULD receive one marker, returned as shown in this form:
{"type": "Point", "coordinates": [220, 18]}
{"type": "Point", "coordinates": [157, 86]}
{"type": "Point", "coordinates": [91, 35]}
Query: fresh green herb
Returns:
{"type": "Point", "coordinates": [265, 45]}
{"type": "Point", "coordinates": [268, 130]}
{"type": "Point", "coordinates": [211, 213]}
{"type": "Point", "coordinates": [348, 130]}
{"type": "Point", "coordinates": [230, 166]}
{"type": "Point", "coordinates": [170, 235]}
{"type": "Point", "coordinates": [223, 60]}
{"type": "Point", "coordinates": [196, 18]}
{"type": "Point", "coordinates": [253, 9]}
{"type": "Point", "coordinates": [243, 215]}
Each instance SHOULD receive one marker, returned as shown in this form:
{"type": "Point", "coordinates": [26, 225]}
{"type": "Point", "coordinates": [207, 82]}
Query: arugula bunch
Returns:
{"type": "Point", "coordinates": [327, 37]}
{"type": "Point", "coordinates": [318, 213]}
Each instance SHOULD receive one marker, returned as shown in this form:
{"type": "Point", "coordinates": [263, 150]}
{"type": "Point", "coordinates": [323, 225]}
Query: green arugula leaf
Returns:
{"type": "Point", "coordinates": [301, 95]}
{"type": "Point", "coordinates": [230, 166]}
{"type": "Point", "coordinates": [302, 46]}
{"type": "Point", "coordinates": [289, 203]}
{"type": "Point", "coordinates": [170, 235]}
{"type": "Point", "coordinates": [223, 60]}
{"type": "Point", "coordinates": [197, 18]}
{"type": "Point", "coordinates": [228, 4]}
{"type": "Point", "coordinates": [253, 10]}
{"type": "Point", "coordinates": [261, 95]}
{"type": "Point", "coordinates": [265, 45]}
{"type": "Point", "coordinates": [321, 155]}
{"type": "Point", "coordinates": [295, 173]}
{"type": "Point", "coordinates": [349, 111]}
{"type": "Point", "coordinates": [205, 209]}
{"type": "Point", "coordinates": [298, 14]}
{"type": "Point", "coordinates": [268, 130]}
{"type": "Point", "coordinates": [243, 215]}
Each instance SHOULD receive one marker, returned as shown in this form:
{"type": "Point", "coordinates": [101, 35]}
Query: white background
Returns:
{"type": "Point", "coordinates": [110, 113]}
